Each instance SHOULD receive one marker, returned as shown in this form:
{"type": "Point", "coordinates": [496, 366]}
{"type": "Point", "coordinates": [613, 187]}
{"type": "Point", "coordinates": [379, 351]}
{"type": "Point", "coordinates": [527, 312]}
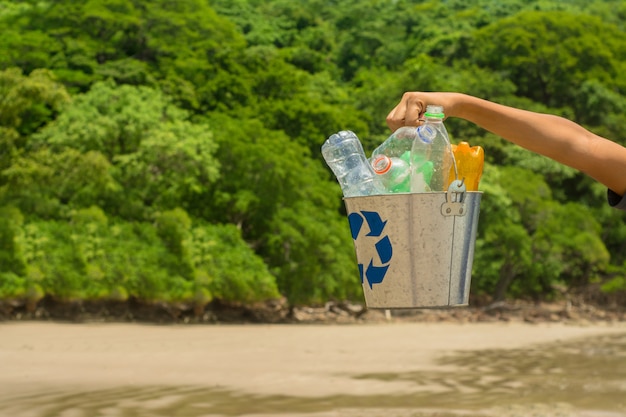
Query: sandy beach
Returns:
{"type": "Point", "coordinates": [304, 361]}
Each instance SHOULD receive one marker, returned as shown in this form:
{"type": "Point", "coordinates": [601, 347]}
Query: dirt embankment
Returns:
{"type": "Point", "coordinates": [574, 309]}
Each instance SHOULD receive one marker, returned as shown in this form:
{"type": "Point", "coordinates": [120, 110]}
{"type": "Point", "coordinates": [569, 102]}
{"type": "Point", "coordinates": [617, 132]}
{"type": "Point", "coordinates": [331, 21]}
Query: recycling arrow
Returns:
{"type": "Point", "coordinates": [356, 221]}
{"type": "Point", "coordinates": [384, 249]}
{"type": "Point", "coordinates": [375, 274]}
{"type": "Point", "coordinates": [375, 223]}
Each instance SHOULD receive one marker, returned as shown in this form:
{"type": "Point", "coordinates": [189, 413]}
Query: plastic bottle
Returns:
{"type": "Point", "coordinates": [431, 153]}
{"type": "Point", "coordinates": [394, 172]}
{"type": "Point", "coordinates": [397, 144]}
{"type": "Point", "coordinates": [469, 165]}
{"type": "Point", "coordinates": [344, 155]}
{"type": "Point", "coordinates": [422, 174]}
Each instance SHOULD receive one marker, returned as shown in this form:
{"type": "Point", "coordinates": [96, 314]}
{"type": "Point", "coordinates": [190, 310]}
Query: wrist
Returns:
{"type": "Point", "coordinates": [460, 103]}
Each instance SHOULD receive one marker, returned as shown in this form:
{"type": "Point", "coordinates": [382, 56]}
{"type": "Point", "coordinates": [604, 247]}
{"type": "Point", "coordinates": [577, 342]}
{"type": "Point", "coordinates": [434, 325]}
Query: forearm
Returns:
{"type": "Point", "coordinates": [549, 135]}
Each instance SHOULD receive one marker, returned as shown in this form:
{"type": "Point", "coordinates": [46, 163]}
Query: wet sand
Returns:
{"type": "Point", "coordinates": [304, 361]}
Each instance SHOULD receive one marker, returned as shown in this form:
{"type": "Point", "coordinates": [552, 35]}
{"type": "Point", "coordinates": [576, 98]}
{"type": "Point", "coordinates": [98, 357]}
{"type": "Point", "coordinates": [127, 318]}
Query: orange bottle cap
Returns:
{"type": "Point", "coordinates": [381, 164]}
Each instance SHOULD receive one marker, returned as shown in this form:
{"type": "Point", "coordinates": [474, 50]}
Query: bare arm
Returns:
{"type": "Point", "coordinates": [549, 135]}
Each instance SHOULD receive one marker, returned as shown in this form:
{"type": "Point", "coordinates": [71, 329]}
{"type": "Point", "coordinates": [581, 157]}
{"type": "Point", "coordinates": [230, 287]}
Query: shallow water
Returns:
{"type": "Point", "coordinates": [578, 378]}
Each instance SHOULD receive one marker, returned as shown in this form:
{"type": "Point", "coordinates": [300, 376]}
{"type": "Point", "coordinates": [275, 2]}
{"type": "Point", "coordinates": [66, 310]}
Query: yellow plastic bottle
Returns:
{"type": "Point", "coordinates": [469, 163]}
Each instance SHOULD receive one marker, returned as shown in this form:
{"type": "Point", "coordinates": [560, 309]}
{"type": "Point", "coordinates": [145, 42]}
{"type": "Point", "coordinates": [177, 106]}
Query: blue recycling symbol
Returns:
{"type": "Point", "coordinates": [375, 274]}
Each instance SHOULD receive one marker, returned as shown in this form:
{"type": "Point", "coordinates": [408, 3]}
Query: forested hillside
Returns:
{"type": "Point", "coordinates": [170, 150]}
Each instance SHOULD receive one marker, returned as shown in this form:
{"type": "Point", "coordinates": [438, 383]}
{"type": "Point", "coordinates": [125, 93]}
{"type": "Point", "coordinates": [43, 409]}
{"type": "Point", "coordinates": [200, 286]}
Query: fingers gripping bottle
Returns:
{"type": "Point", "coordinates": [469, 165]}
{"type": "Point", "coordinates": [344, 155]}
{"type": "Point", "coordinates": [431, 154]}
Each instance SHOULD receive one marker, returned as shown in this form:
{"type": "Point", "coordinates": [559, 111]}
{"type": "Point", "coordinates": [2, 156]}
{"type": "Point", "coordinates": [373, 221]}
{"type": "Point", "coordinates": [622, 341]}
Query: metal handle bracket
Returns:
{"type": "Point", "coordinates": [454, 199]}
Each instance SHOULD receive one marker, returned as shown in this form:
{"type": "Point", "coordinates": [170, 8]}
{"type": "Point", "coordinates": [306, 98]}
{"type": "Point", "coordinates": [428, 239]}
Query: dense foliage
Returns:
{"type": "Point", "coordinates": [170, 150]}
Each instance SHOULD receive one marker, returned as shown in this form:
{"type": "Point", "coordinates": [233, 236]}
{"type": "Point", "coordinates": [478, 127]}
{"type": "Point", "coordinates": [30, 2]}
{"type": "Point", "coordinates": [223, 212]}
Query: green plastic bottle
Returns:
{"type": "Point", "coordinates": [394, 172]}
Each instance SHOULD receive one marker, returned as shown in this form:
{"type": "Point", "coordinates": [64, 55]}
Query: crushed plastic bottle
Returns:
{"type": "Point", "coordinates": [343, 152]}
{"type": "Point", "coordinates": [397, 144]}
{"type": "Point", "coordinates": [431, 153]}
{"type": "Point", "coordinates": [469, 165]}
{"type": "Point", "coordinates": [394, 172]}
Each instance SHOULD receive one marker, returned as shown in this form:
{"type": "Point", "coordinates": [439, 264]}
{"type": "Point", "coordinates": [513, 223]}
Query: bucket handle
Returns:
{"type": "Point", "coordinates": [454, 199]}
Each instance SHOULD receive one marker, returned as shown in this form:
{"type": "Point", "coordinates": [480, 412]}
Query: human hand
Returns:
{"type": "Point", "coordinates": [410, 111]}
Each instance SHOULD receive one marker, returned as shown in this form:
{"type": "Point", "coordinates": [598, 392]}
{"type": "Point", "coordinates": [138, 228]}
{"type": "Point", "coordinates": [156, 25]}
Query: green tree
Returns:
{"type": "Point", "coordinates": [157, 156]}
{"type": "Point", "coordinates": [27, 102]}
{"type": "Point", "coordinates": [11, 253]}
{"type": "Point", "coordinates": [183, 46]}
{"type": "Point", "coordinates": [503, 245]}
{"type": "Point", "coordinates": [529, 244]}
{"type": "Point", "coordinates": [46, 183]}
{"type": "Point", "coordinates": [549, 55]}
{"type": "Point", "coordinates": [187, 165]}
{"type": "Point", "coordinates": [286, 208]}
{"type": "Point", "coordinates": [226, 267]}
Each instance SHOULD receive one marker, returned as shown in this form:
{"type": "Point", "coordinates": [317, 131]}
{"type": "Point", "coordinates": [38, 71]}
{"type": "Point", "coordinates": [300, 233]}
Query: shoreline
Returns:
{"type": "Point", "coordinates": [572, 311]}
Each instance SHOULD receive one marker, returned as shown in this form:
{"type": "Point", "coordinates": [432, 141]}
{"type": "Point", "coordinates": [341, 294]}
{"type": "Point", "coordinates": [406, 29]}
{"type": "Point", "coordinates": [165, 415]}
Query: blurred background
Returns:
{"type": "Point", "coordinates": [169, 151]}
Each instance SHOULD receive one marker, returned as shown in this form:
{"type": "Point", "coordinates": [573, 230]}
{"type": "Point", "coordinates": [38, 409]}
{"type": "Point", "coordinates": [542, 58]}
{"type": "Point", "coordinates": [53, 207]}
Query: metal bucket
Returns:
{"type": "Point", "coordinates": [415, 250]}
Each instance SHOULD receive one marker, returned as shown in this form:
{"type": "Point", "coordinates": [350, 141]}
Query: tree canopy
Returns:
{"type": "Point", "coordinates": [171, 150]}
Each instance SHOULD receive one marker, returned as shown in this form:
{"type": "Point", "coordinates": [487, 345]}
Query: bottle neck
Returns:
{"type": "Point", "coordinates": [382, 164]}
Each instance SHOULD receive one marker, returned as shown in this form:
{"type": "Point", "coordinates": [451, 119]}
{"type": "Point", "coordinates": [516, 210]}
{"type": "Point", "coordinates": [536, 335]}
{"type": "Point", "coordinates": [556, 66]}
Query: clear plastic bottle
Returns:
{"type": "Point", "coordinates": [397, 144]}
{"type": "Point", "coordinates": [343, 152]}
{"type": "Point", "coordinates": [431, 153]}
{"type": "Point", "coordinates": [394, 172]}
{"type": "Point", "coordinates": [421, 174]}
